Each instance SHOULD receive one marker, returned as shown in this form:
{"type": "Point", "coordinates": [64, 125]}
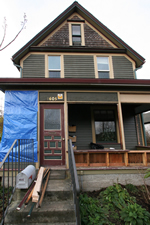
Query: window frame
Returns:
{"type": "Point", "coordinates": [76, 35]}
{"type": "Point", "coordinates": [107, 108]}
{"type": "Point", "coordinates": [71, 35]}
{"type": "Point", "coordinates": [54, 70]}
{"type": "Point", "coordinates": [104, 69]}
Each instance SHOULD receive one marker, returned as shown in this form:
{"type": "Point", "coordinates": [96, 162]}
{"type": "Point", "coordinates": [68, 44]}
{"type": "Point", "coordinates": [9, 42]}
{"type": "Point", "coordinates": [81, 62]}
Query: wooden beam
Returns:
{"type": "Point", "coordinates": [37, 188]}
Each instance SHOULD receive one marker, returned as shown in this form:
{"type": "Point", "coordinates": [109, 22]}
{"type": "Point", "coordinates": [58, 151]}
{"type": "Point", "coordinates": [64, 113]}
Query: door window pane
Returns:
{"type": "Point", "coordinates": [52, 119]}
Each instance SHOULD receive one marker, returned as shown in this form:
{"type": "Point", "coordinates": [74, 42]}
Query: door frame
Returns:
{"type": "Point", "coordinates": [52, 106]}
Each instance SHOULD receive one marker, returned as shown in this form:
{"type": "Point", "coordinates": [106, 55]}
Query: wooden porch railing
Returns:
{"type": "Point", "coordinates": [110, 158]}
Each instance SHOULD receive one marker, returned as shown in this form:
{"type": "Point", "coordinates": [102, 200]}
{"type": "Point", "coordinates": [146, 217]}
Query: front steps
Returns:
{"type": "Point", "coordinates": [57, 207]}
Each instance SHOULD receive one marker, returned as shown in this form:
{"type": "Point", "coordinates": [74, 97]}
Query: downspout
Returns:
{"type": "Point", "coordinates": [20, 69]}
{"type": "Point", "coordinates": [141, 113]}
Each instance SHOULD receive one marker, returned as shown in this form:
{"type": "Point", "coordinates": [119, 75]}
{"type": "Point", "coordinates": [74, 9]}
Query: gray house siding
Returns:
{"type": "Point", "coordinates": [79, 66]}
{"type": "Point", "coordinates": [122, 68]}
{"type": "Point", "coordinates": [80, 116]}
{"type": "Point", "coordinates": [129, 127]}
{"type": "Point", "coordinates": [34, 66]}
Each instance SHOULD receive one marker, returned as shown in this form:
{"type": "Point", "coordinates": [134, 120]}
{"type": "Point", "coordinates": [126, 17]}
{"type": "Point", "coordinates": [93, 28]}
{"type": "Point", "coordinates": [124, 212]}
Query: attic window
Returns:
{"type": "Point", "coordinates": [76, 34]}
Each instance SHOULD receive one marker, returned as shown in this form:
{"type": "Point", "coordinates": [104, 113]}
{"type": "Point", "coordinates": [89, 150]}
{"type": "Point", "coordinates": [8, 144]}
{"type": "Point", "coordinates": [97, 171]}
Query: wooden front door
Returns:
{"type": "Point", "coordinates": [52, 144]}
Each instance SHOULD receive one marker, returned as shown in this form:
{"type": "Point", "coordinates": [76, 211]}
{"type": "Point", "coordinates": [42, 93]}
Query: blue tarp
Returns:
{"type": "Point", "coordinates": [20, 119]}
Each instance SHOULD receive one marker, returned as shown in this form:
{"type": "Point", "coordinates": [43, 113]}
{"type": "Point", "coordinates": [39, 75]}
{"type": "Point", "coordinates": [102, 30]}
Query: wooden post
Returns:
{"type": "Point", "coordinates": [145, 159]}
{"type": "Point", "coordinates": [121, 128]}
{"type": "Point", "coordinates": [126, 158]}
{"type": "Point", "coordinates": [107, 159]}
{"type": "Point", "coordinates": [88, 158]}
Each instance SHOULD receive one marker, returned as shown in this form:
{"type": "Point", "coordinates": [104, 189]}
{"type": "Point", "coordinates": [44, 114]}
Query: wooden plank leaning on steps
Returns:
{"type": "Point", "coordinates": [44, 189]}
{"type": "Point", "coordinates": [37, 188]}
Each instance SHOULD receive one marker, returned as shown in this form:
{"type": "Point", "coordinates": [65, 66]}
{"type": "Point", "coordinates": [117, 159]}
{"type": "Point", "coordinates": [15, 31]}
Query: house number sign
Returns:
{"type": "Point", "coordinates": [51, 96]}
{"type": "Point", "coordinates": [59, 97]}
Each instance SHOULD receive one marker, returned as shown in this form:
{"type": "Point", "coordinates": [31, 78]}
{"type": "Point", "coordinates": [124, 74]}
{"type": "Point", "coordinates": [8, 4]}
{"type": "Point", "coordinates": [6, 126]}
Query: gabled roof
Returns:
{"type": "Point", "coordinates": [76, 7]}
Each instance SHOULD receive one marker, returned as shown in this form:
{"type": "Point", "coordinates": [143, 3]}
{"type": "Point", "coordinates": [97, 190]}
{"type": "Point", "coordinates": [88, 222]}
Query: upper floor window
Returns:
{"type": "Point", "coordinates": [76, 34]}
{"type": "Point", "coordinates": [54, 66]}
{"type": "Point", "coordinates": [103, 67]}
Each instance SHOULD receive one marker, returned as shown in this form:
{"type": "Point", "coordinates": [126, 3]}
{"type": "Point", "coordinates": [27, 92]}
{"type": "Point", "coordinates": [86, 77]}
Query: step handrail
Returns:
{"type": "Point", "coordinates": [75, 182]}
{"type": "Point", "coordinates": [20, 154]}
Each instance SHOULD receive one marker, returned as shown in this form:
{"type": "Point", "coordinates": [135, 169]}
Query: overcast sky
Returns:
{"type": "Point", "coordinates": [128, 19]}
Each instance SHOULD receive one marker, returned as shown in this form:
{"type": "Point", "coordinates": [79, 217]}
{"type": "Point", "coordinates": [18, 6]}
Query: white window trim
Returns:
{"type": "Point", "coordinates": [61, 65]}
{"type": "Point", "coordinates": [82, 33]}
{"type": "Point", "coordinates": [111, 74]}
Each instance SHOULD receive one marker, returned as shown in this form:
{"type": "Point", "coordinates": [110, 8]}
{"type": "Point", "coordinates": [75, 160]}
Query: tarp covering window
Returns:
{"type": "Point", "coordinates": [20, 119]}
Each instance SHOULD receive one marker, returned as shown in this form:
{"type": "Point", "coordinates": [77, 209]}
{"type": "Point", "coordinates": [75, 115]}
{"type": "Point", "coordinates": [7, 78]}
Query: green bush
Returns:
{"type": "Point", "coordinates": [113, 204]}
{"type": "Point", "coordinates": [135, 215]}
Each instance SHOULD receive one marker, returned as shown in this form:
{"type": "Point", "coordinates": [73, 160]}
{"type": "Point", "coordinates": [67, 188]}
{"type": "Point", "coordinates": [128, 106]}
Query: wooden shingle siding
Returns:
{"type": "Point", "coordinates": [129, 127]}
{"type": "Point", "coordinates": [59, 38]}
{"type": "Point", "coordinates": [34, 66]}
{"type": "Point", "coordinates": [93, 39]}
{"type": "Point", "coordinates": [79, 66]}
{"type": "Point", "coordinates": [123, 68]}
{"type": "Point", "coordinates": [92, 96]}
{"type": "Point", "coordinates": [80, 116]}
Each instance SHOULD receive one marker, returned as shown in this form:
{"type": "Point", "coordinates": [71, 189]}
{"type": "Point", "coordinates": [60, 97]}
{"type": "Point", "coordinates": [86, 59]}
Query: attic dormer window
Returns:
{"type": "Point", "coordinates": [76, 34]}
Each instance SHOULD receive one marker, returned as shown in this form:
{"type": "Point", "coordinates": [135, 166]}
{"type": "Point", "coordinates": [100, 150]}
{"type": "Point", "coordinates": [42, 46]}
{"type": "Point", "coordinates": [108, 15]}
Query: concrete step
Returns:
{"type": "Point", "coordinates": [50, 212]}
{"type": "Point", "coordinates": [59, 190]}
{"type": "Point", "coordinates": [57, 207]}
{"type": "Point", "coordinates": [57, 174]}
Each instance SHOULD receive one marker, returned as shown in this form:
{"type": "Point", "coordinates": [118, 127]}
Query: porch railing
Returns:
{"type": "Point", "coordinates": [20, 154]}
{"type": "Point", "coordinates": [112, 158]}
{"type": "Point", "coordinates": [74, 177]}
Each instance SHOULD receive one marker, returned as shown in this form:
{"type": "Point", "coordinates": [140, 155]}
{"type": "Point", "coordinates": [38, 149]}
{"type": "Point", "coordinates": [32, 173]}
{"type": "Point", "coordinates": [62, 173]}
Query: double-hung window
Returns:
{"type": "Point", "coordinates": [76, 34]}
{"type": "Point", "coordinates": [105, 126]}
{"type": "Point", "coordinates": [103, 67]}
{"type": "Point", "coordinates": [54, 66]}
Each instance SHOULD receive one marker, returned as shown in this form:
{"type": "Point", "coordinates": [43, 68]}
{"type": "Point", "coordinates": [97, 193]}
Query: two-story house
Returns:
{"type": "Point", "coordinates": [83, 77]}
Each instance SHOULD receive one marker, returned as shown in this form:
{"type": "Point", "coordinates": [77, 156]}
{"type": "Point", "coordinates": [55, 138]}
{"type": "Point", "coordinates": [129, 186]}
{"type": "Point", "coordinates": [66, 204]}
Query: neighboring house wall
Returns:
{"type": "Point", "coordinates": [122, 68]}
{"type": "Point", "coordinates": [129, 127]}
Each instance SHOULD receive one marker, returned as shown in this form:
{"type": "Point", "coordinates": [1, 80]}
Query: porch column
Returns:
{"type": "Point", "coordinates": [121, 128]}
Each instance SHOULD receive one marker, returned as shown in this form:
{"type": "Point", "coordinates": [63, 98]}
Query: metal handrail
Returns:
{"type": "Point", "coordinates": [20, 154]}
{"type": "Point", "coordinates": [75, 182]}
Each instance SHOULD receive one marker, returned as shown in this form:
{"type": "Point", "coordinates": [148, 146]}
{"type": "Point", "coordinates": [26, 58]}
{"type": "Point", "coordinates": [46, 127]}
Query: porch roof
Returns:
{"type": "Point", "coordinates": [46, 83]}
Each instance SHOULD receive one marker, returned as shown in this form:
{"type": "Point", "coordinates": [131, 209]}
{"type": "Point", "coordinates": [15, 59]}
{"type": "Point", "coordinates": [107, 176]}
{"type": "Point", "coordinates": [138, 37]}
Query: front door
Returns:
{"type": "Point", "coordinates": [52, 144]}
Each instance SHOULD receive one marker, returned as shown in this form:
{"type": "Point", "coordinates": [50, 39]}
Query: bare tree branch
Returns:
{"type": "Point", "coordinates": [5, 26]}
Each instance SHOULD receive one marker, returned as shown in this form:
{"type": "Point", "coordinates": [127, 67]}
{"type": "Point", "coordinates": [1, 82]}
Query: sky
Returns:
{"type": "Point", "coordinates": [128, 19]}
